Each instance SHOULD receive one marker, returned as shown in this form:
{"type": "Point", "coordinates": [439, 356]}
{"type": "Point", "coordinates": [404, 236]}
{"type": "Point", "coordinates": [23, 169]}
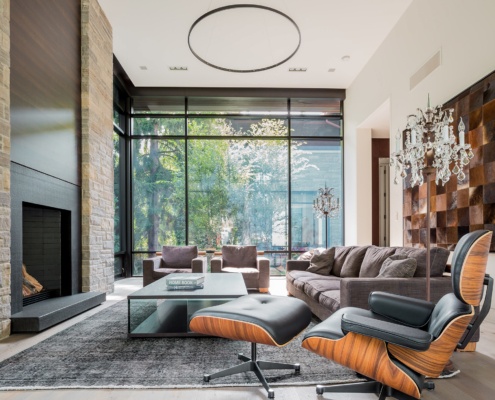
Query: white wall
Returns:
{"type": "Point", "coordinates": [464, 31]}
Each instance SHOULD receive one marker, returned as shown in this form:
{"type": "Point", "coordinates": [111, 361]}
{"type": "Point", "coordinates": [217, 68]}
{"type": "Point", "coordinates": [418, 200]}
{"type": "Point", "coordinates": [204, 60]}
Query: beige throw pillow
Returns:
{"type": "Point", "coordinates": [322, 261]}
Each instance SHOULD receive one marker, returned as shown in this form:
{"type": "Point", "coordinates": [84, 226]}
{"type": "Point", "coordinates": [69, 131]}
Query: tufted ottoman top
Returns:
{"type": "Point", "coordinates": [282, 318]}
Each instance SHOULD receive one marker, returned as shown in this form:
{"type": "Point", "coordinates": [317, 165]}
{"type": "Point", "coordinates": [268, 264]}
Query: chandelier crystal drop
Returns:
{"type": "Point", "coordinates": [326, 204]}
{"type": "Point", "coordinates": [430, 143]}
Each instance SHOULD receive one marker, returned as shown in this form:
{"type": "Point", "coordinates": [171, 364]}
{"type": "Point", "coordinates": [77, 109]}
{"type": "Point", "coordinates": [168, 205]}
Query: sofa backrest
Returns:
{"type": "Point", "coordinates": [366, 261]}
{"type": "Point", "coordinates": [178, 256]}
{"type": "Point", "coordinates": [239, 256]}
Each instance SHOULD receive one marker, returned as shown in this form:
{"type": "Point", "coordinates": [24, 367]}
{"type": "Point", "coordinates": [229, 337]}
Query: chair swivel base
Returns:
{"type": "Point", "coordinates": [256, 366]}
{"type": "Point", "coordinates": [375, 387]}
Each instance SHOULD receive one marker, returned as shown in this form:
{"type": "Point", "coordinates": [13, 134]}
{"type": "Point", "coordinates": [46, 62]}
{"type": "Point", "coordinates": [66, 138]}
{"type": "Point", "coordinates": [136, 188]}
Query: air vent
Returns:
{"type": "Point", "coordinates": [429, 66]}
{"type": "Point", "coordinates": [177, 68]}
{"type": "Point", "coordinates": [298, 69]}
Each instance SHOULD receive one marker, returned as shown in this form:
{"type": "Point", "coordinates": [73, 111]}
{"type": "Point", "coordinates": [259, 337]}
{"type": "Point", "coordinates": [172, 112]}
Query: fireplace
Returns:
{"type": "Point", "coordinates": [46, 252]}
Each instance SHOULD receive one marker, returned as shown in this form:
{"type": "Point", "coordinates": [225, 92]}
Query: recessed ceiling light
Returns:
{"type": "Point", "coordinates": [177, 68]}
{"type": "Point", "coordinates": [346, 58]}
{"type": "Point", "coordinates": [297, 69]}
{"type": "Point", "coordinates": [331, 70]}
{"type": "Point", "coordinates": [143, 67]}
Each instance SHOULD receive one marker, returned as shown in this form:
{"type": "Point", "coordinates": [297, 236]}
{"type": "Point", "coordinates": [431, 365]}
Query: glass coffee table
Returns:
{"type": "Point", "coordinates": [154, 311]}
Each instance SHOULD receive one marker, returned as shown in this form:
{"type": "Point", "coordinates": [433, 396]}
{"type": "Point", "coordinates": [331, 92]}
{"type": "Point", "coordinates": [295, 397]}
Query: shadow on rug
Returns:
{"type": "Point", "coordinates": [96, 353]}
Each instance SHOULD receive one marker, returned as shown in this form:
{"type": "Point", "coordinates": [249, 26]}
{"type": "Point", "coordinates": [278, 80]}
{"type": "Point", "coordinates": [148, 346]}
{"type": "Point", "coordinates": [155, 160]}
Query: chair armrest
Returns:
{"type": "Point", "coordinates": [401, 309]}
{"type": "Point", "coordinates": [354, 292]}
{"type": "Point", "coordinates": [405, 336]}
{"type": "Point", "coordinates": [297, 265]}
{"type": "Point", "coordinates": [149, 265]}
{"type": "Point", "coordinates": [199, 265]}
{"type": "Point", "coordinates": [263, 265]}
{"type": "Point", "coordinates": [216, 264]}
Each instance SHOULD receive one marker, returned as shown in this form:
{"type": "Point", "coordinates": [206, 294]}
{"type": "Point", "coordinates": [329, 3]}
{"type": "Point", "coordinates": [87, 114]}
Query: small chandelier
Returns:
{"type": "Point", "coordinates": [430, 145]}
{"type": "Point", "coordinates": [326, 203]}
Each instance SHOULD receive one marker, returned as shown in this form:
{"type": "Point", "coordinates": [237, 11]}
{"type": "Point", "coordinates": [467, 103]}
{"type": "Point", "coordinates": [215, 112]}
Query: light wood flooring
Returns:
{"type": "Point", "coordinates": [475, 382]}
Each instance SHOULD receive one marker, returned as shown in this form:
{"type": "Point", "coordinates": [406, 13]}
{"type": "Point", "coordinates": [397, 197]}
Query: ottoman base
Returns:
{"type": "Point", "coordinates": [256, 366]}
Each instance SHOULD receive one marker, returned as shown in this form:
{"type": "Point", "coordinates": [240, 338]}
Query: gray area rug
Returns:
{"type": "Point", "coordinates": [96, 353]}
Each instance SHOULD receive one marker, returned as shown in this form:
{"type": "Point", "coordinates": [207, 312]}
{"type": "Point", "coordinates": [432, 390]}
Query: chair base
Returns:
{"type": "Point", "coordinates": [256, 366]}
{"type": "Point", "coordinates": [375, 387]}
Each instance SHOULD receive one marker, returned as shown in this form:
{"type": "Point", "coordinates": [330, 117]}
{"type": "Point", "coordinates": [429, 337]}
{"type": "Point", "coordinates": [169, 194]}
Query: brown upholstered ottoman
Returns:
{"type": "Point", "coordinates": [260, 318]}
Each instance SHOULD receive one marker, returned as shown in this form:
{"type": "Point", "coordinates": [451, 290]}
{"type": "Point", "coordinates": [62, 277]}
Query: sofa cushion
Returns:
{"type": "Point", "coordinates": [341, 253]}
{"type": "Point", "coordinates": [373, 260]}
{"type": "Point", "coordinates": [398, 266]}
{"type": "Point", "coordinates": [239, 256]}
{"type": "Point", "coordinates": [438, 257]}
{"type": "Point", "coordinates": [330, 299]}
{"type": "Point", "coordinates": [251, 276]}
{"type": "Point", "coordinates": [315, 287]}
{"type": "Point", "coordinates": [178, 256]}
{"type": "Point", "coordinates": [322, 261]}
{"type": "Point", "coordinates": [353, 261]}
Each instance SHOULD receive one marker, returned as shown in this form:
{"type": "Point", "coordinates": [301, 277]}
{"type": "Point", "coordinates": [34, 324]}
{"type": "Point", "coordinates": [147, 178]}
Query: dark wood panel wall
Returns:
{"type": "Point", "coordinates": [460, 207]}
{"type": "Point", "coordinates": [46, 86]}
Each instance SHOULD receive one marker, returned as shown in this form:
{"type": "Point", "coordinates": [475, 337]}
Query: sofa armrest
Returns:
{"type": "Point", "coordinates": [199, 265]}
{"type": "Point", "coordinates": [354, 292]}
{"type": "Point", "coordinates": [149, 265]}
{"type": "Point", "coordinates": [297, 265]}
{"type": "Point", "coordinates": [216, 264]}
{"type": "Point", "coordinates": [263, 265]}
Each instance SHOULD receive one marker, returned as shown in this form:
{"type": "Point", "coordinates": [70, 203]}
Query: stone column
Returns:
{"type": "Point", "coordinates": [4, 168]}
{"type": "Point", "coordinates": [96, 149]}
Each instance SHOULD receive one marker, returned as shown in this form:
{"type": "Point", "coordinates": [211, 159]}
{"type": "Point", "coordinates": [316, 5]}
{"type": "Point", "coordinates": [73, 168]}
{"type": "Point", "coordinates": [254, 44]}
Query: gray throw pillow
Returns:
{"type": "Point", "coordinates": [373, 260]}
{"type": "Point", "coordinates": [398, 266]}
{"type": "Point", "coordinates": [353, 261]}
{"type": "Point", "coordinates": [438, 258]}
{"type": "Point", "coordinates": [322, 261]}
{"type": "Point", "coordinates": [341, 253]}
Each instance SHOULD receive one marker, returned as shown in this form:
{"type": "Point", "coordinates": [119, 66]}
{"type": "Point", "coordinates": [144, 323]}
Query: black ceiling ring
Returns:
{"type": "Point", "coordinates": [242, 6]}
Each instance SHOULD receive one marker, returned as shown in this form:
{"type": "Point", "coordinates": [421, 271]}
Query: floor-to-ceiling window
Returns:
{"type": "Point", "coordinates": [233, 170]}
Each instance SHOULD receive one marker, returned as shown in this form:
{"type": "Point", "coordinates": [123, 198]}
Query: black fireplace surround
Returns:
{"type": "Point", "coordinates": [34, 190]}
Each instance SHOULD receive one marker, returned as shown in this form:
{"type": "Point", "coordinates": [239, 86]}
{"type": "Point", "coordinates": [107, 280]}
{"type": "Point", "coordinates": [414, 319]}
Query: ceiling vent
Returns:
{"type": "Point", "coordinates": [429, 66]}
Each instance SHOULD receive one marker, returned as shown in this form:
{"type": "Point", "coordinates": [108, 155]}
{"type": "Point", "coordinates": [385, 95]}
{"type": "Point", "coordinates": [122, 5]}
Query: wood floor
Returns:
{"type": "Point", "coordinates": [475, 382]}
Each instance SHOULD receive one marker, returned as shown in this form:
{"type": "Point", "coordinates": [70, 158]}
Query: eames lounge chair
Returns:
{"type": "Point", "coordinates": [401, 340]}
{"type": "Point", "coordinates": [244, 260]}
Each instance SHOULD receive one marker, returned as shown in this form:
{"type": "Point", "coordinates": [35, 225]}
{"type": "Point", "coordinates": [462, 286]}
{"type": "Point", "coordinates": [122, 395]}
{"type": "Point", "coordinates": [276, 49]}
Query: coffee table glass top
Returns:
{"type": "Point", "coordinates": [218, 285]}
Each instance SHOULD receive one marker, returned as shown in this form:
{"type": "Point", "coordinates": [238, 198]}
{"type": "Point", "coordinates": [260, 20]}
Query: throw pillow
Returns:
{"type": "Point", "coordinates": [322, 261]}
{"type": "Point", "coordinates": [341, 253]}
{"type": "Point", "coordinates": [373, 260]}
{"type": "Point", "coordinates": [398, 266]}
{"type": "Point", "coordinates": [438, 257]}
{"type": "Point", "coordinates": [353, 262]}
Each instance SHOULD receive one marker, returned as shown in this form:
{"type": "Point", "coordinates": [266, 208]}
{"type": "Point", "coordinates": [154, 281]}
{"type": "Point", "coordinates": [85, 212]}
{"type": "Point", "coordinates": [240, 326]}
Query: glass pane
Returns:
{"type": "Point", "coordinates": [277, 263]}
{"type": "Point", "coordinates": [237, 105]}
{"type": "Point", "coordinates": [117, 193]}
{"type": "Point", "coordinates": [158, 126]}
{"type": "Point", "coordinates": [314, 164]}
{"type": "Point", "coordinates": [158, 189]}
{"type": "Point", "coordinates": [316, 127]}
{"type": "Point", "coordinates": [238, 193]}
{"type": "Point", "coordinates": [137, 262]}
{"type": "Point", "coordinates": [118, 267]}
{"type": "Point", "coordinates": [236, 127]}
{"type": "Point", "coordinates": [158, 105]}
{"type": "Point", "coordinates": [315, 106]}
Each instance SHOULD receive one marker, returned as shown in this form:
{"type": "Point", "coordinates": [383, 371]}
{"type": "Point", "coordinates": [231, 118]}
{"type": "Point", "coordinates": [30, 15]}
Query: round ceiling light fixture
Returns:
{"type": "Point", "coordinates": [244, 38]}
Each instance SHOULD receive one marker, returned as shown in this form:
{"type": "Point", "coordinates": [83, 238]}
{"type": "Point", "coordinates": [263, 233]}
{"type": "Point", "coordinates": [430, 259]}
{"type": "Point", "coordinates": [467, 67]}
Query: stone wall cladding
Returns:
{"type": "Point", "coordinates": [4, 168]}
{"type": "Point", "coordinates": [97, 201]}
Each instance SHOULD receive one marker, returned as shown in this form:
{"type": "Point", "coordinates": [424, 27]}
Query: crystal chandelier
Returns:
{"type": "Point", "coordinates": [326, 203]}
{"type": "Point", "coordinates": [430, 145]}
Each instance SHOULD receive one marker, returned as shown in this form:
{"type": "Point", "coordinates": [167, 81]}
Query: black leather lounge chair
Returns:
{"type": "Point", "coordinates": [401, 340]}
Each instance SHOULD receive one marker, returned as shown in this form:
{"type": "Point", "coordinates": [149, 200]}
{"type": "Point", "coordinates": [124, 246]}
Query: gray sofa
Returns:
{"type": "Point", "coordinates": [353, 276]}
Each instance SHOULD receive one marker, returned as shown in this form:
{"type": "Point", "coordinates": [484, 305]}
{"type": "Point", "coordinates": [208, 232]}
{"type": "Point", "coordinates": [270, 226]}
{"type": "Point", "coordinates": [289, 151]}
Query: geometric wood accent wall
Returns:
{"type": "Point", "coordinates": [460, 207]}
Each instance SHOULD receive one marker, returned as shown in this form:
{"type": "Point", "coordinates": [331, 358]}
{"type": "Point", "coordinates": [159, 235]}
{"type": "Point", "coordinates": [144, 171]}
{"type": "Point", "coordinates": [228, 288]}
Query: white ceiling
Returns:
{"type": "Point", "coordinates": [153, 33]}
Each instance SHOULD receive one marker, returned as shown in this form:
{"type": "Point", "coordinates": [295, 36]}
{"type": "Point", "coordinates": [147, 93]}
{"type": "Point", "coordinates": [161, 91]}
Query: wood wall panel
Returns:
{"type": "Point", "coordinates": [46, 86]}
{"type": "Point", "coordinates": [460, 207]}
